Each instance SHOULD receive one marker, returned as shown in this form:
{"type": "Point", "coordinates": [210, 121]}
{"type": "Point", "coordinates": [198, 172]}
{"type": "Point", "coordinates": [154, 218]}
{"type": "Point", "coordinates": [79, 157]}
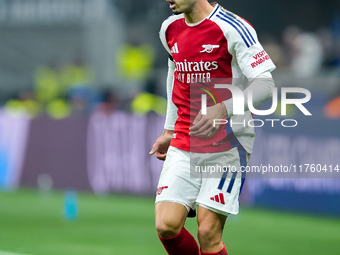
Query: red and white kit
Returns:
{"type": "Point", "coordinates": [224, 49]}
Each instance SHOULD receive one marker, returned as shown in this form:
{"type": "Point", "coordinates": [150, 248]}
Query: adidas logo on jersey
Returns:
{"type": "Point", "coordinates": [174, 49]}
{"type": "Point", "coordinates": [218, 198]}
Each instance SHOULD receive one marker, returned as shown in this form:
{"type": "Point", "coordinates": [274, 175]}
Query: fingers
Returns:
{"type": "Point", "coordinates": [198, 118]}
{"type": "Point", "coordinates": [153, 150]}
{"type": "Point", "coordinates": [201, 128]}
{"type": "Point", "coordinates": [197, 124]}
{"type": "Point", "coordinates": [209, 132]}
{"type": "Point", "coordinates": [160, 156]}
{"type": "Point", "coordinates": [206, 133]}
{"type": "Point", "coordinates": [204, 127]}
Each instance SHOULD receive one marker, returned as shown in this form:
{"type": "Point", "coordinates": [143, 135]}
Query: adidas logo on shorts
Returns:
{"type": "Point", "coordinates": [218, 198]}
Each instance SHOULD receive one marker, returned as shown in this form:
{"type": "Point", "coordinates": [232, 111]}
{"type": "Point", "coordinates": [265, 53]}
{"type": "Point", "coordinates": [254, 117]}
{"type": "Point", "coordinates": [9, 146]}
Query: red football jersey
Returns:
{"type": "Point", "coordinates": [221, 49]}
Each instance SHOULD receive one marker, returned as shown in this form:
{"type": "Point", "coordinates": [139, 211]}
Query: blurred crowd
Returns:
{"type": "Point", "coordinates": [306, 54]}
{"type": "Point", "coordinates": [71, 89]}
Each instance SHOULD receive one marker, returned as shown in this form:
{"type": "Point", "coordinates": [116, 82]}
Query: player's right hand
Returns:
{"type": "Point", "coordinates": [160, 147]}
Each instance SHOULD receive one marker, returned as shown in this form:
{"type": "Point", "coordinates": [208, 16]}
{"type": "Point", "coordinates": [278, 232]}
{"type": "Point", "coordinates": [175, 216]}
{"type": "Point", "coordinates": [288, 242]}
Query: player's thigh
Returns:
{"type": "Point", "coordinates": [170, 218]}
{"type": "Point", "coordinates": [210, 226]}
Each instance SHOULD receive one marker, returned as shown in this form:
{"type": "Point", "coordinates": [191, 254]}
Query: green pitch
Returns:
{"type": "Point", "coordinates": [33, 224]}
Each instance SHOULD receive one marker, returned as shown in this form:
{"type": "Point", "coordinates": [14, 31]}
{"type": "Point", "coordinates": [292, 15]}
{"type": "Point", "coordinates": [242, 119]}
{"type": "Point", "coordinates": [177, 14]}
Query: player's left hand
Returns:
{"type": "Point", "coordinates": [203, 125]}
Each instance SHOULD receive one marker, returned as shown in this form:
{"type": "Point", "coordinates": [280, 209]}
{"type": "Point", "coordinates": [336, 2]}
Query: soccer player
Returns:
{"type": "Point", "coordinates": [207, 45]}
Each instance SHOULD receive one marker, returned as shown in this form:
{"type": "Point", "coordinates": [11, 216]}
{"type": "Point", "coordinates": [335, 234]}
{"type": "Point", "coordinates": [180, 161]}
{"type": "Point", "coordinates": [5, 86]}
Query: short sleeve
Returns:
{"type": "Point", "coordinates": [162, 36]}
{"type": "Point", "coordinates": [251, 57]}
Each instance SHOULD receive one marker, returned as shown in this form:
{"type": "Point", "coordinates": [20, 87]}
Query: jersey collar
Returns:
{"type": "Point", "coordinates": [209, 17]}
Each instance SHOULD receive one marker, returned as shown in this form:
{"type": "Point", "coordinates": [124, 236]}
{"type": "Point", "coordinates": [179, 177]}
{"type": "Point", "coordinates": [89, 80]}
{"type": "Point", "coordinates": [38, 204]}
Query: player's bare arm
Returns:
{"type": "Point", "coordinates": [204, 125]}
{"type": "Point", "coordinates": [160, 147]}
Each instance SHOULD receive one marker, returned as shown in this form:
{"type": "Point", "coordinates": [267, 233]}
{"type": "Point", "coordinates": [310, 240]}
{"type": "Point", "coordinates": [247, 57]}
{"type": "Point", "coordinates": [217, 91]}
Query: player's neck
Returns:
{"type": "Point", "coordinates": [201, 10]}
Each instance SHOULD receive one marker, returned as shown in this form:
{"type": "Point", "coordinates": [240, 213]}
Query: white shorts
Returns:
{"type": "Point", "coordinates": [210, 180]}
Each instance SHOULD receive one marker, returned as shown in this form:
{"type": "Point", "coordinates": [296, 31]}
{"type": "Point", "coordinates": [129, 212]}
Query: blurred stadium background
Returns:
{"type": "Point", "coordinates": [82, 99]}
